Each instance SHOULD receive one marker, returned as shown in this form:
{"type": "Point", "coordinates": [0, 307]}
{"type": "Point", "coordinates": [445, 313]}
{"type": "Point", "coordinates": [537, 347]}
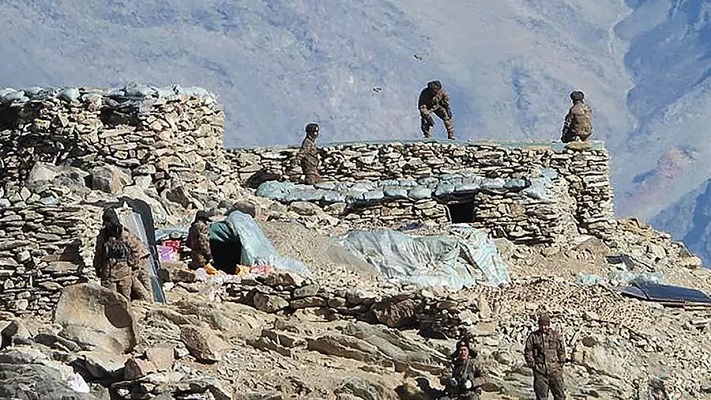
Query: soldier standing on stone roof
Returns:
{"type": "Point", "coordinates": [578, 122]}
{"type": "Point", "coordinates": [199, 240]}
{"type": "Point", "coordinates": [545, 354]}
{"type": "Point", "coordinates": [435, 100]}
{"type": "Point", "coordinates": [467, 376]}
{"type": "Point", "coordinates": [308, 155]}
{"type": "Point", "coordinates": [117, 254]}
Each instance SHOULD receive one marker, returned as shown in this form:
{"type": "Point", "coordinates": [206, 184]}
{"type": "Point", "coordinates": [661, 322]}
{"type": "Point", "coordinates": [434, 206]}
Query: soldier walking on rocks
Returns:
{"type": "Point", "coordinates": [578, 122]}
{"type": "Point", "coordinates": [199, 240]}
{"type": "Point", "coordinates": [308, 155]}
{"type": "Point", "coordinates": [435, 100]}
{"type": "Point", "coordinates": [117, 255]}
{"type": "Point", "coordinates": [467, 376]}
{"type": "Point", "coordinates": [545, 354]}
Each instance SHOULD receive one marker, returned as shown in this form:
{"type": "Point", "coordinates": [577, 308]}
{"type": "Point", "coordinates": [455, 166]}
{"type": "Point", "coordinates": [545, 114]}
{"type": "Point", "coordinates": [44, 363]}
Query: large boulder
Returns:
{"type": "Point", "coordinates": [28, 373]}
{"type": "Point", "coordinates": [202, 344]}
{"type": "Point", "coordinates": [109, 179]}
{"type": "Point", "coordinates": [91, 314]}
{"type": "Point", "coordinates": [33, 381]}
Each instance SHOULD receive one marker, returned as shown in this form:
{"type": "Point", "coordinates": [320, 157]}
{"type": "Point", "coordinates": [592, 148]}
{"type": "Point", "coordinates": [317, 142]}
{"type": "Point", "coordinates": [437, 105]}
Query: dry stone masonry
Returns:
{"type": "Point", "coordinates": [527, 193]}
{"type": "Point", "coordinates": [59, 148]}
{"type": "Point", "coordinates": [160, 135]}
{"type": "Point", "coordinates": [64, 152]}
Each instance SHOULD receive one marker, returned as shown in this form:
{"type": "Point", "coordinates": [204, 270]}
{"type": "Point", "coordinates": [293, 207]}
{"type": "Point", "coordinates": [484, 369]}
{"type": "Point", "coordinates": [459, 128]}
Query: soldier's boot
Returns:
{"type": "Point", "coordinates": [449, 125]}
{"type": "Point", "coordinates": [426, 128]}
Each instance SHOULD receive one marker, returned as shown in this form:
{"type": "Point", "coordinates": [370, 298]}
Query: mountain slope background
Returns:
{"type": "Point", "coordinates": [357, 69]}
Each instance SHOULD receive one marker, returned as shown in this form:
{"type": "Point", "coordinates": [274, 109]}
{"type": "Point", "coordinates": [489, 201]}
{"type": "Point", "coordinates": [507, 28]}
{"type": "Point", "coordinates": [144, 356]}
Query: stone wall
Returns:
{"type": "Point", "coordinates": [42, 249]}
{"type": "Point", "coordinates": [161, 136]}
{"type": "Point", "coordinates": [65, 153]}
{"type": "Point", "coordinates": [578, 194]}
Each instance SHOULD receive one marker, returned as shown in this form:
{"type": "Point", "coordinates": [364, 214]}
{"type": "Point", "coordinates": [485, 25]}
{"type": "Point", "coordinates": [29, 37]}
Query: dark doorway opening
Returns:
{"type": "Point", "coordinates": [461, 212]}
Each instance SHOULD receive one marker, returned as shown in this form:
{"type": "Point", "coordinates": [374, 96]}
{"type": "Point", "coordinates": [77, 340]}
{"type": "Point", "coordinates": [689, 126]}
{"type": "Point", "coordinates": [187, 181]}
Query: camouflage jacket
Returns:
{"type": "Point", "coordinates": [469, 369]}
{"type": "Point", "coordinates": [199, 239]}
{"type": "Point", "coordinates": [578, 122]}
{"type": "Point", "coordinates": [115, 258]}
{"type": "Point", "coordinates": [545, 352]}
{"type": "Point", "coordinates": [308, 155]}
{"type": "Point", "coordinates": [429, 101]}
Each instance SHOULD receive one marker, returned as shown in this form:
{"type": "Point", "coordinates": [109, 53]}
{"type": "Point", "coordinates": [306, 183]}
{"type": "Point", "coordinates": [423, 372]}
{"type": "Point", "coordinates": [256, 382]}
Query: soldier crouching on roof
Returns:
{"type": "Point", "coordinates": [435, 100]}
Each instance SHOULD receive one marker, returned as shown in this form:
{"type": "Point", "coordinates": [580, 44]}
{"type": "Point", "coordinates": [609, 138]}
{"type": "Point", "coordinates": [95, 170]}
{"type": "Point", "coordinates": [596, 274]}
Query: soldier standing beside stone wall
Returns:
{"type": "Point", "coordinates": [117, 255]}
{"type": "Point", "coordinates": [308, 155]}
{"type": "Point", "coordinates": [435, 100]}
{"type": "Point", "coordinates": [545, 354]}
{"type": "Point", "coordinates": [578, 121]}
{"type": "Point", "coordinates": [199, 240]}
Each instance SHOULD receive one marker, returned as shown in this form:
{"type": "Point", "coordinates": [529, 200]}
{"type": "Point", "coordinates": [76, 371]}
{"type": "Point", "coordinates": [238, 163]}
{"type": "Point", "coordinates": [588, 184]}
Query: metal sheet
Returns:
{"type": "Point", "coordinates": [132, 221]}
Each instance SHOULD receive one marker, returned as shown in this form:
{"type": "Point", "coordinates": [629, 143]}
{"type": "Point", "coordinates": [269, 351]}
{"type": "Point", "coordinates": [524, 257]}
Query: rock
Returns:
{"type": "Point", "coordinates": [599, 359]}
{"type": "Point", "coordinates": [357, 296]}
{"type": "Point", "coordinates": [135, 368]}
{"type": "Point", "coordinates": [483, 329]}
{"type": "Point", "coordinates": [367, 390]}
{"type": "Point", "coordinates": [14, 331]}
{"type": "Point", "coordinates": [306, 291]}
{"type": "Point", "coordinates": [484, 309]}
{"type": "Point", "coordinates": [247, 207]}
{"type": "Point", "coordinates": [201, 344]}
{"type": "Point", "coordinates": [305, 208]}
{"type": "Point", "coordinates": [391, 344]}
{"type": "Point", "coordinates": [97, 316]}
{"type": "Point", "coordinates": [55, 341]}
{"type": "Point", "coordinates": [161, 357]}
{"type": "Point", "coordinates": [269, 303]}
{"type": "Point", "coordinates": [284, 278]}
{"type": "Point", "coordinates": [42, 172]}
{"type": "Point", "coordinates": [109, 179]}
{"type": "Point", "coordinates": [308, 302]}
{"type": "Point", "coordinates": [32, 381]}
{"type": "Point", "coordinates": [395, 315]}
{"type": "Point", "coordinates": [69, 94]}
{"type": "Point", "coordinates": [692, 262]}
{"type": "Point", "coordinates": [101, 365]}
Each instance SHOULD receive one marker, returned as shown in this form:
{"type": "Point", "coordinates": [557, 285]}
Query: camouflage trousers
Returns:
{"type": "Point", "coordinates": [311, 175]}
{"type": "Point", "coordinates": [568, 137]}
{"type": "Point", "coordinates": [122, 286]}
{"type": "Point", "coordinates": [198, 260]}
{"type": "Point", "coordinates": [141, 283]}
{"type": "Point", "coordinates": [427, 122]}
{"type": "Point", "coordinates": [542, 383]}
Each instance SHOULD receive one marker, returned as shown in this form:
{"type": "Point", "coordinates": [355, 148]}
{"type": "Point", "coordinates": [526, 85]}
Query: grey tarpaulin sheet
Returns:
{"type": "Point", "coordinates": [536, 188]}
{"type": "Point", "coordinates": [463, 259]}
{"type": "Point", "coordinates": [256, 247]}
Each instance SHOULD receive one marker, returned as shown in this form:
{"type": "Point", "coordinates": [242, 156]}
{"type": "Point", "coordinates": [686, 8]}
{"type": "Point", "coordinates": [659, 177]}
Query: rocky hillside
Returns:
{"type": "Point", "coordinates": [348, 333]}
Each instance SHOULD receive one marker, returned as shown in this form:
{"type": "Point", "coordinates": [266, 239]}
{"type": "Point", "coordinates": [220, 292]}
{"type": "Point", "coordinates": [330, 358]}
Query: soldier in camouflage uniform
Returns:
{"type": "Point", "coordinates": [199, 241]}
{"type": "Point", "coordinates": [117, 254]}
{"type": "Point", "coordinates": [435, 100]}
{"type": "Point", "coordinates": [467, 376]}
{"type": "Point", "coordinates": [578, 122]}
{"type": "Point", "coordinates": [308, 155]}
{"type": "Point", "coordinates": [545, 354]}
